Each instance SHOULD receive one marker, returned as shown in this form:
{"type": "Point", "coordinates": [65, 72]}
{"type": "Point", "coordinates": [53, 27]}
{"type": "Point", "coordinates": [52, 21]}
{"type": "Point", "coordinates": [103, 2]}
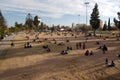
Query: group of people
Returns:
{"type": "Point", "coordinates": [80, 45]}
{"type": "Point", "coordinates": [46, 47]}
{"type": "Point", "coordinates": [112, 64]}
{"type": "Point", "coordinates": [104, 48]}
{"type": "Point", "coordinates": [87, 53]}
{"type": "Point", "coordinates": [27, 45]}
{"type": "Point", "coordinates": [63, 52]}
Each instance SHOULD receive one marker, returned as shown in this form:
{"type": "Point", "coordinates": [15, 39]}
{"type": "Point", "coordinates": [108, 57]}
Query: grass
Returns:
{"type": "Point", "coordinates": [36, 64]}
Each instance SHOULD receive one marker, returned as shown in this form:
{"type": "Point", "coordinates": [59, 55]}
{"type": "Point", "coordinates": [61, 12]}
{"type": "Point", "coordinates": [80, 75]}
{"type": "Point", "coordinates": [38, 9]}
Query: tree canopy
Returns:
{"type": "Point", "coordinates": [29, 21]}
{"type": "Point", "coordinates": [109, 26]}
{"type": "Point", "coordinates": [94, 19]}
{"type": "Point", "coordinates": [117, 21]}
{"type": "Point", "coordinates": [105, 26]}
{"type": "Point", "coordinates": [3, 25]}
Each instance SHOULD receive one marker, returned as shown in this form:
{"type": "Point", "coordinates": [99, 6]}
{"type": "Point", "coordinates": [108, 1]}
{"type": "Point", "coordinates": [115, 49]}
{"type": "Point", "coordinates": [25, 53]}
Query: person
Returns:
{"type": "Point", "coordinates": [77, 45]}
{"type": "Point", "coordinates": [100, 47]}
{"type": "Point", "coordinates": [27, 45]}
{"type": "Point", "coordinates": [86, 39]}
{"type": "Point", "coordinates": [70, 48]}
{"type": "Point", "coordinates": [48, 50]}
{"type": "Point", "coordinates": [83, 45]}
{"type": "Point", "coordinates": [62, 52]}
{"type": "Point", "coordinates": [12, 44]}
{"type": "Point", "coordinates": [118, 55]}
{"type": "Point", "coordinates": [91, 52]}
{"type": "Point", "coordinates": [80, 45]}
{"type": "Point", "coordinates": [45, 47]}
{"type": "Point", "coordinates": [104, 48]}
{"type": "Point", "coordinates": [87, 53]}
{"type": "Point", "coordinates": [61, 44]}
{"type": "Point", "coordinates": [67, 40]}
{"type": "Point", "coordinates": [106, 61]}
{"type": "Point", "coordinates": [97, 42]}
{"type": "Point", "coordinates": [112, 64]}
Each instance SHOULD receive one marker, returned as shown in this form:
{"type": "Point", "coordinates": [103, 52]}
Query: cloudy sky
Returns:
{"type": "Point", "coordinates": [63, 12]}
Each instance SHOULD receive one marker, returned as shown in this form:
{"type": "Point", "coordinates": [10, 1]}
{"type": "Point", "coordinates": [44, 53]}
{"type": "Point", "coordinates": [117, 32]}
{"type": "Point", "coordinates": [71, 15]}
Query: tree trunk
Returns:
{"type": "Point", "coordinates": [119, 32]}
{"type": "Point", "coordinates": [94, 33]}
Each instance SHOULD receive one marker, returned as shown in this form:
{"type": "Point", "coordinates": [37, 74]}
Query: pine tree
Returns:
{"type": "Point", "coordinates": [36, 21]}
{"type": "Point", "coordinates": [29, 21]}
{"type": "Point", "coordinates": [95, 21]}
{"type": "Point", "coordinates": [2, 20]}
{"type": "Point", "coordinates": [2, 25]}
{"type": "Point", "coordinates": [109, 26]}
{"type": "Point", "coordinates": [117, 22]}
{"type": "Point", "coordinates": [105, 26]}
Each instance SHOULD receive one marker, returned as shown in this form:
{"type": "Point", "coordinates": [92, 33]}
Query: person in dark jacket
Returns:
{"type": "Point", "coordinates": [112, 64]}
{"type": "Point", "coordinates": [87, 53]}
{"type": "Point", "coordinates": [104, 48]}
{"type": "Point", "coordinates": [106, 61]}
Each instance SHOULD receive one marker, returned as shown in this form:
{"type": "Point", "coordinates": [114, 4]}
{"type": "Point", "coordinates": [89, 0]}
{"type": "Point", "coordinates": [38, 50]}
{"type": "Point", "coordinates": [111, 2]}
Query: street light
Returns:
{"type": "Point", "coordinates": [86, 3]}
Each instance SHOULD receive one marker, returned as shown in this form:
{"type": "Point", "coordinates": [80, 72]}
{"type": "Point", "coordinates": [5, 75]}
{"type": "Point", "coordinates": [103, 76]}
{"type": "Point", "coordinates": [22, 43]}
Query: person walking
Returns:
{"type": "Point", "coordinates": [80, 45]}
{"type": "Point", "coordinates": [104, 48]}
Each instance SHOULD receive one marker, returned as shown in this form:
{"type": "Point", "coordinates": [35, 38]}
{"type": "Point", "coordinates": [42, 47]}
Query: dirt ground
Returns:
{"type": "Point", "coordinates": [19, 63]}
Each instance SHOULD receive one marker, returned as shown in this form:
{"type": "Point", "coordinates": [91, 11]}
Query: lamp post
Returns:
{"type": "Point", "coordinates": [86, 3]}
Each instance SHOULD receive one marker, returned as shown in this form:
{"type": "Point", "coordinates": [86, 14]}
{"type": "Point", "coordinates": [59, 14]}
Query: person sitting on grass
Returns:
{"type": "Point", "coordinates": [97, 42]}
{"type": "Point", "coordinates": [100, 47]}
{"type": "Point", "coordinates": [118, 55]}
{"type": "Point", "coordinates": [112, 64]}
{"type": "Point", "coordinates": [64, 52]}
{"type": "Point", "coordinates": [12, 44]}
{"type": "Point", "coordinates": [67, 40]}
{"type": "Point", "coordinates": [69, 48]}
{"type": "Point", "coordinates": [45, 47]}
{"type": "Point", "coordinates": [106, 61]}
{"type": "Point", "coordinates": [87, 53]}
{"type": "Point", "coordinates": [61, 44]}
{"type": "Point", "coordinates": [48, 50]}
{"type": "Point", "coordinates": [27, 45]}
{"type": "Point", "coordinates": [91, 52]}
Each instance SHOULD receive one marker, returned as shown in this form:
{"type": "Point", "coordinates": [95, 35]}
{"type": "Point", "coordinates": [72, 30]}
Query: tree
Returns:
{"type": "Point", "coordinates": [105, 26]}
{"type": "Point", "coordinates": [2, 25]}
{"type": "Point", "coordinates": [18, 26]}
{"type": "Point", "coordinates": [36, 21]}
{"type": "Point", "coordinates": [109, 26]}
{"type": "Point", "coordinates": [95, 21]}
{"type": "Point", "coordinates": [2, 20]}
{"type": "Point", "coordinates": [42, 26]}
{"type": "Point", "coordinates": [29, 21]}
{"type": "Point", "coordinates": [117, 22]}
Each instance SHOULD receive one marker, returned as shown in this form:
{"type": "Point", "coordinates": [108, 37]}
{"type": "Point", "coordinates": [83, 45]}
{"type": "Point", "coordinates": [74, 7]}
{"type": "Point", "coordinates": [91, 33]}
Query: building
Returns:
{"type": "Point", "coordinates": [101, 24]}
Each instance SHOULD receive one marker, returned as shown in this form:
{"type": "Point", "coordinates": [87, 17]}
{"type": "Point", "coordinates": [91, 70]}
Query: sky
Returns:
{"type": "Point", "coordinates": [57, 12]}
